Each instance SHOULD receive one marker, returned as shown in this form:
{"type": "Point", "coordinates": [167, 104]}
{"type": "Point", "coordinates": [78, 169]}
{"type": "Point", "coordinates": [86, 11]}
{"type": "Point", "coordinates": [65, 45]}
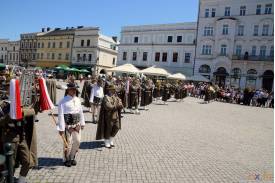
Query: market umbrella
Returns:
{"type": "Point", "coordinates": [155, 71]}
{"type": "Point", "coordinates": [178, 76]}
{"type": "Point", "coordinates": [2, 65]}
{"type": "Point", "coordinates": [84, 71]}
{"type": "Point", "coordinates": [126, 68]}
{"type": "Point", "coordinates": [198, 78]}
{"type": "Point", "coordinates": [74, 70]}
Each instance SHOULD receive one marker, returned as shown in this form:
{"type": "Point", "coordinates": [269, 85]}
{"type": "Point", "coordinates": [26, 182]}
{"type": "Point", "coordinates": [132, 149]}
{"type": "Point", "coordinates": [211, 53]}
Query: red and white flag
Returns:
{"type": "Point", "coordinates": [45, 100]}
{"type": "Point", "coordinates": [15, 103]}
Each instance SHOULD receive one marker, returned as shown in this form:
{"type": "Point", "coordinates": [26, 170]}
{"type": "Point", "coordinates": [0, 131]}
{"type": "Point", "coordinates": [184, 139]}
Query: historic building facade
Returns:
{"type": "Point", "coordinates": [54, 47]}
{"type": "Point", "coordinates": [28, 48]}
{"type": "Point", "coordinates": [13, 53]}
{"type": "Point", "coordinates": [4, 44]}
{"type": "Point", "coordinates": [235, 42]}
{"type": "Point", "coordinates": [93, 50]}
{"type": "Point", "coordinates": [170, 46]}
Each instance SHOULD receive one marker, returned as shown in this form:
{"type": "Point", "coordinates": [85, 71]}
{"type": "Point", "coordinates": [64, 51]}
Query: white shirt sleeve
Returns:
{"type": "Point", "coordinates": [82, 119]}
{"type": "Point", "coordinates": [92, 95]}
{"type": "Point", "coordinates": [61, 122]}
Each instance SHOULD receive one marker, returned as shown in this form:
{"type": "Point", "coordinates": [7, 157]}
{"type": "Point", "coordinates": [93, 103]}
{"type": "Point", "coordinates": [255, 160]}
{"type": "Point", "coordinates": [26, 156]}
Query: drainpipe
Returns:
{"type": "Point", "coordinates": [196, 41]}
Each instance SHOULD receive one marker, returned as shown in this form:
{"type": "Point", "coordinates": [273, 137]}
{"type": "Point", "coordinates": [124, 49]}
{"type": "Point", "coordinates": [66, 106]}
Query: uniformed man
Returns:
{"type": "Point", "coordinates": [71, 122]}
{"type": "Point", "coordinates": [109, 119]}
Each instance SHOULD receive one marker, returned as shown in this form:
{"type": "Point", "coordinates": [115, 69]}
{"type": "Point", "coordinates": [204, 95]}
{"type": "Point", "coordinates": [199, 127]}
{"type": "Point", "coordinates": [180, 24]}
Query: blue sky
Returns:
{"type": "Point", "coordinates": [21, 16]}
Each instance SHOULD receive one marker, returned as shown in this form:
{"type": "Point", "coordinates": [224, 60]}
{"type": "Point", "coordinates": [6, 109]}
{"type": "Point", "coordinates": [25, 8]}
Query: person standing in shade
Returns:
{"type": "Point", "coordinates": [109, 119]}
{"type": "Point", "coordinates": [95, 99]}
{"type": "Point", "coordinates": [70, 123]}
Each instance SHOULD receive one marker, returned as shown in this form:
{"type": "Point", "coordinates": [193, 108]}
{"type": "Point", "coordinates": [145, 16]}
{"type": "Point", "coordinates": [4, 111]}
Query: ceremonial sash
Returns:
{"type": "Point", "coordinates": [15, 103]}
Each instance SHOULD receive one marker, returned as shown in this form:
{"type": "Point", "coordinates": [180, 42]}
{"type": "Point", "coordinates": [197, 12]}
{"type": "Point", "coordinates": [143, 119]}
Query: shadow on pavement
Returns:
{"type": "Point", "coordinates": [49, 163]}
{"type": "Point", "coordinates": [91, 122]}
{"type": "Point", "coordinates": [92, 145]}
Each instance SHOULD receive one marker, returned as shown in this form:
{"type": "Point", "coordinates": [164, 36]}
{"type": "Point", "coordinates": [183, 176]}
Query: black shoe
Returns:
{"type": "Point", "coordinates": [73, 162]}
{"type": "Point", "coordinates": [67, 163]}
{"type": "Point", "coordinates": [112, 145]}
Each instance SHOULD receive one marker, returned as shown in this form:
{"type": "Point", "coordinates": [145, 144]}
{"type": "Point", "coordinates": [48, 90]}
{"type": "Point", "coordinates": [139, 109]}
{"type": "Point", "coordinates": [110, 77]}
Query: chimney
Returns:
{"type": "Point", "coordinates": [115, 38]}
{"type": "Point", "coordinates": [48, 29]}
{"type": "Point", "coordinates": [43, 29]}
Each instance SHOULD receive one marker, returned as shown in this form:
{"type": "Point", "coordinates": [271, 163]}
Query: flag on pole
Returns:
{"type": "Point", "coordinates": [45, 100]}
{"type": "Point", "coordinates": [15, 103]}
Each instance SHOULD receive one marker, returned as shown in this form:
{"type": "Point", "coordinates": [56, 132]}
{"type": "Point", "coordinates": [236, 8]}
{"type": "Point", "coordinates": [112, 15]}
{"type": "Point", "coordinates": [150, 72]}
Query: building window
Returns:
{"type": "Point", "coordinates": [53, 44]}
{"type": "Point", "coordinates": [256, 30]}
{"type": "Point", "coordinates": [204, 69]}
{"type": "Point", "coordinates": [144, 57]}
{"type": "Point", "coordinates": [60, 45]}
{"type": "Point", "coordinates": [157, 56]}
{"type": "Point", "coordinates": [68, 44]}
{"type": "Point", "coordinates": [208, 31]}
{"type": "Point", "coordinates": [53, 56]}
{"type": "Point", "coordinates": [179, 39]}
{"type": "Point", "coordinates": [187, 57]}
{"type": "Point", "coordinates": [84, 57]}
{"type": "Point", "coordinates": [265, 30]}
{"type": "Point", "coordinates": [258, 9]}
{"type": "Point", "coordinates": [242, 10]}
{"type": "Point", "coordinates": [33, 56]}
{"type": "Point", "coordinates": [254, 49]}
{"type": "Point", "coordinates": [164, 56]}
{"type": "Point", "coordinates": [42, 45]}
{"type": "Point", "coordinates": [268, 8]}
{"type": "Point", "coordinates": [175, 57]}
{"type": "Point", "coordinates": [82, 43]}
{"type": "Point", "coordinates": [134, 56]}
{"type": "Point", "coordinates": [114, 61]}
{"type": "Point", "coordinates": [170, 39]}
{"type": "Point", "coordinates": [78, 58]}
{"type": "Point", "coordinates": [240, 30]}
{"type": "Point", "coordinates": [90, 57]}
{"type": "Point", "coordinates": [206, 50]}
{"type": "Point", "coordinates": [30, 45]}
{"type": "Point", "coordinates": [67, 56]}
{"type": "Point", "coordinates": [223, 50]}
{"type": "Point", "coordinates": [36, 56]}
{"type": "Point", "coordinates": [124, 57]}
{"type": "Point", "coordinates": [225, 30]}
{"type": "Point", "coordinates": [88, 42]}
{"type": "Point", "coordinates": [59, 56]}
{"type": "Point", "coordinates": [262, 51]}
{"type": "Point", "coordinates": [213, 14]}
{"type": "Point", "coordinates": [135, 39]}
{"type": "Point", "coordinates": [48, 56]}
{"type": "Point", "coordinates": [42, 56]}
{"type": "Point", "coordinates": [238, 50]}
{"type": "Point", "coordinates": [49, 44]}
{"type": "Point", "coordinates": [206, 14]}
{"type": "Point", "coordinates": [271, 54]}
{"type": "Point", "coordinates": [227, 11]}
{"type": "Point", "coordinates": [38, 45]}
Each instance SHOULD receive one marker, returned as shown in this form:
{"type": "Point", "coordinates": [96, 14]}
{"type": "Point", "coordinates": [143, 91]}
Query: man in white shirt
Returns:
{"type": "Point", "coordinates": [70, 122]}
{"type": "Point", "coordinates": [97, 95]}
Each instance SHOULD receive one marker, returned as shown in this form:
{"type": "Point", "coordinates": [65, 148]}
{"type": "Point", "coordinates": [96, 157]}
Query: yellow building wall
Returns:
{"type": "Point", "coordinates": [48, 61]}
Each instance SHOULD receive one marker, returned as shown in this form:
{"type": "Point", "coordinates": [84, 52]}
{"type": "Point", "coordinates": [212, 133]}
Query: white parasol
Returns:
{"type": "Point", "coordinates": [126, 68]}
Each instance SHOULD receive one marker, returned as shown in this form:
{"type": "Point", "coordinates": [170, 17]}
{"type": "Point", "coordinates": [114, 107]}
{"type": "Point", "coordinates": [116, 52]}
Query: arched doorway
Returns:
{"type": "Point", "coordinates": [235, 77]}
{"type": "Point", "coordinates": [268, 77]}
{"type": "Point", "coordinates": [205, 70]}
{"type": "Point", "coordinates": [103, 71]}
{"type": "Point", "coordinates": [220, 75]}
{"type": "Point", "coordinates": [251, 78]}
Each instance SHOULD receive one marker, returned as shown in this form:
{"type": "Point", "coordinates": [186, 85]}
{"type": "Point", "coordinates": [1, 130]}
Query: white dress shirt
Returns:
{"type": "Point", "coordinates": [96, 91]}
{"type": "Point", "coordinates": [69, 105]}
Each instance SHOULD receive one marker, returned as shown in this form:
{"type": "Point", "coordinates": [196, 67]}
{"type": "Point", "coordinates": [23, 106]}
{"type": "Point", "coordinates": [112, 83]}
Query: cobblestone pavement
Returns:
{"type": "Point", "coordinates": [179, 142]}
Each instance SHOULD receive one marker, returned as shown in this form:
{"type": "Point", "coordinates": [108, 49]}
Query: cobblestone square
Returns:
{"type": "Point", "coordinates": [180, 142]}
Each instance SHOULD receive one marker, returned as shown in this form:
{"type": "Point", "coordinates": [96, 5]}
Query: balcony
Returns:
{"type": "Point", "coordinates": [253, 58]}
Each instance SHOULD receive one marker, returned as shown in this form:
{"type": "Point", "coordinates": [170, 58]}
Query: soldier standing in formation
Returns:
{"type": "Point", "coordinates": [109, 119]}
